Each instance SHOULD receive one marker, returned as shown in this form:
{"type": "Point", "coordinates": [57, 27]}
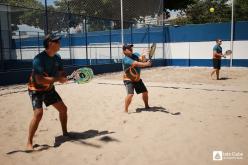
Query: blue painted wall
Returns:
{"type": "Point", "coordinates": [22, 76]}
{"type": "Point", "coordinates": [186, 33]}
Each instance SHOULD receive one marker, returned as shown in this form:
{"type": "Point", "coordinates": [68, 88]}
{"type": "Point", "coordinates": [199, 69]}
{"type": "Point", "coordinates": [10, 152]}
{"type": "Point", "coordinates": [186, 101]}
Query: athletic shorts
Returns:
{"type": "Point", "coordinates": [216, 63]}
{"type": "Point", "coordinates": [139, 87]}
{"type": "Point", "coordinates": [48, 97]}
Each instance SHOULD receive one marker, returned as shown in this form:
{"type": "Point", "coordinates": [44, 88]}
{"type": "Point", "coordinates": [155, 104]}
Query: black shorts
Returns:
{"type": "Point", "coordinates": [138, 86]}
{"type": "Point", "coordinates": [48, 97]}
{"type": "Point", "coordinates": [216, 63]}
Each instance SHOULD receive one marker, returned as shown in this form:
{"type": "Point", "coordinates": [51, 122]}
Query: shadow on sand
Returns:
{"type": "Point", "coordinates": [156, 109]}
{"type": "Point", "coordinates": [75, 137]}
{"type": "Point", "coordinates": [224, 78]}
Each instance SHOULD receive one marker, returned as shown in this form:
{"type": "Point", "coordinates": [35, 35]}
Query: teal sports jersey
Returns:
{"type": "Point", "coordinates": [46, 65]}
{"type": "Point", "coordinates": [217, 48]}
{"type": "Point", "coordinates": [128, 61]}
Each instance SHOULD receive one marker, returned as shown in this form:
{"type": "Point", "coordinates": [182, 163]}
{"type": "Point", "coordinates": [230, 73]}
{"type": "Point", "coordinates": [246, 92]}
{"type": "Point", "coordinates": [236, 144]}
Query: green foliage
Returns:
{"type": "Point", "coordinates": [199, 13]}
{"type": "Point", "coordinates": [70, 13]}
{"type": "Point", "coordinates": [241, 10]}
{"type": "Point", "coordinates": [25, 3]}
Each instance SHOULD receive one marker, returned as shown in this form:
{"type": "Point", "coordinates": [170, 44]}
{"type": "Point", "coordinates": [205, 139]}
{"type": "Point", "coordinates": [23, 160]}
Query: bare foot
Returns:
{"type": "Point", "coordinates": [30, 146]}
{"type": "Point", "coordinates": [126, 111]}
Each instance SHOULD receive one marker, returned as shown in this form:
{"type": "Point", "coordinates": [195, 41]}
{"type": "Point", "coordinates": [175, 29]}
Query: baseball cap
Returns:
{"type": "Point", "coordinates": [51, 37]}
{"type": "Point", "coordinates": [127, 46]}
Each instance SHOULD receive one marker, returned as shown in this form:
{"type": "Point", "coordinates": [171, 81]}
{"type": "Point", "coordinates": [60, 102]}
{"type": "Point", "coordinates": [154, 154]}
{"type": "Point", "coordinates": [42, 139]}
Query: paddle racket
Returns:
{"type": "Point", "coordinates": [227, 53]}
{"type": "Point", "coordinates": [81, 75]}
{"type": "Point", "coordinates": [152, 50]}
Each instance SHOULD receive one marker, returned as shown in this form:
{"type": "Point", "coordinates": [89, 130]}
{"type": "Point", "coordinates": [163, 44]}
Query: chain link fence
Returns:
{"type": "Point", "coordinates": [90, 29]}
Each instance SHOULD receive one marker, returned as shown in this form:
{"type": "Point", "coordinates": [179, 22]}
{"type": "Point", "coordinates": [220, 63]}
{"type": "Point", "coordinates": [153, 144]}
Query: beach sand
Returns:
{"type": "Point", "coordinates": [191, 116]}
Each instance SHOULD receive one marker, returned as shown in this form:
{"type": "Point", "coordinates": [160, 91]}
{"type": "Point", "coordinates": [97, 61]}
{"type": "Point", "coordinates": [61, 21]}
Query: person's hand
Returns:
{"type": "Point", "coordinates": [62, 79]}
{"type": "Point", "coordinates": [149, 63]}
{"type": "Point", "coordinates": [143, 58]}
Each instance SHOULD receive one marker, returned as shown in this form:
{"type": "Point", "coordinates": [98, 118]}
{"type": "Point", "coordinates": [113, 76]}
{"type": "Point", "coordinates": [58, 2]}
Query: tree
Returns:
{"type": "Point", "coordinates": [199, 12]}
{"type": "Point", "coordinates": [241, 10]}
{"type": "Point", "coordinates": [70, 13]}
{"type": "Point", "coordinates": [33, 15]}
{"type": "Point", "coordinates": [175, 5]}
{"type": "Point", "coordinates": [25, 3]}
{"type": "Point", "coordinates": [133, 10]}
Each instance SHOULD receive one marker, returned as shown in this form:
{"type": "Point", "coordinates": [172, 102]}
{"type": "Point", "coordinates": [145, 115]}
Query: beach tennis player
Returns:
{"type": "Point", "coordinates": [132, 63]}
{"type": "Point", "coordinates": [47, 69]}
{"type": "Point", "coordinates": [217, 54]}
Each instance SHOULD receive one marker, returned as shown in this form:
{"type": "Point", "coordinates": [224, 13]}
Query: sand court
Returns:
{"type": "Point", "coordinates": [191, 116]}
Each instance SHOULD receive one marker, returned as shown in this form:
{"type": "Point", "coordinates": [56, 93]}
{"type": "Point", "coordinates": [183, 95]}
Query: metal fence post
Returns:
{"type": "Point", "coordinates": [20, 44]}
{"type": "Point", "coordinates": [110, 41]}
{"type": "Point", "coordinates": [131, 33]}
{"type": "Point", "coordinates": [1, 49]}
{"type": "Point", "coordinates": [86, 40]}
{"type": "Point", "coordinates": [39, 42]}
{"type": "Point", "coordinates": [46, 18]}
{"type": "Point", "coordinates": [148, 29]}
{"type": "Point", "coordinates": [69, 35]}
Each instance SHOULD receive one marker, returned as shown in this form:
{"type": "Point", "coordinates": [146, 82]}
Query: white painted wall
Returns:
{"type": "Point", "coordinates": [181, 50]}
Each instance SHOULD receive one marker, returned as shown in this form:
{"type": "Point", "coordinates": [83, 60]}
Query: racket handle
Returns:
{"type": "Point", "coordinates": [70, 77]}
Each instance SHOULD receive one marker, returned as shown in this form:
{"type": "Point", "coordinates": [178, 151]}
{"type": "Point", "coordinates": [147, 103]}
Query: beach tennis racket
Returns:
{"type": "Point", "coordinates": [81, 75]}
{"type": "Point", "coordinates": [227, 53]}
{"type": "Point", "coordinates": [147, 54]}
{"type": "Point", "coordinates": [152, 50]}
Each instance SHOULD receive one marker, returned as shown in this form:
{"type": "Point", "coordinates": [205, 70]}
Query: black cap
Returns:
{"type": "Point", "coordinates": [51, 37]}
{"type": "Point", "coordinates": [127, 46]}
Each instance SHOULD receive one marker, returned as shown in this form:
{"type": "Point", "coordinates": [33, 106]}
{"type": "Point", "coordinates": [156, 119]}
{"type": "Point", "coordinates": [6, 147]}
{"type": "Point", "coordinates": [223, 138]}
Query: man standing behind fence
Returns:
{"type": "Point", "coordinates": [47, 69]}
{"type": "Point", "coordinates": [134, 61]}
{"type": "Point", "coordinates": [217, 54]}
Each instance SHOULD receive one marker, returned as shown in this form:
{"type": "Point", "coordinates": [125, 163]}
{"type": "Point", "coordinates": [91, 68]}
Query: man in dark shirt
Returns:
{"type": "Point", "coordinates": [217, 54]}
{"type": "Point", "coordinates": [47, 69]}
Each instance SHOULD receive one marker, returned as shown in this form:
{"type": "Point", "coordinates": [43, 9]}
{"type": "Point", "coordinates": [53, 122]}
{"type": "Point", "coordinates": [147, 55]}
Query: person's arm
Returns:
{"type": "Point", "coordinates": [62, 76]}
{"type": "Point", "coordinates": [141, 64]}
{"type": "Point", "coordinates": [218, 55]}
{"type": "Point", "coordinates": [144, 54]}
{"type": "Point", "coordinates": [61, 73]}
{"type": "Point", "coordinates": [40, 79]}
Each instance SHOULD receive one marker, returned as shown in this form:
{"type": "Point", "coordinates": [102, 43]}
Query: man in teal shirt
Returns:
{"type": "Point", "coordinates": [134, 61]}
{"type": "Point", "coordinates": [47, 69]}
{"type": "Point", "coordinates": [217, 54]}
